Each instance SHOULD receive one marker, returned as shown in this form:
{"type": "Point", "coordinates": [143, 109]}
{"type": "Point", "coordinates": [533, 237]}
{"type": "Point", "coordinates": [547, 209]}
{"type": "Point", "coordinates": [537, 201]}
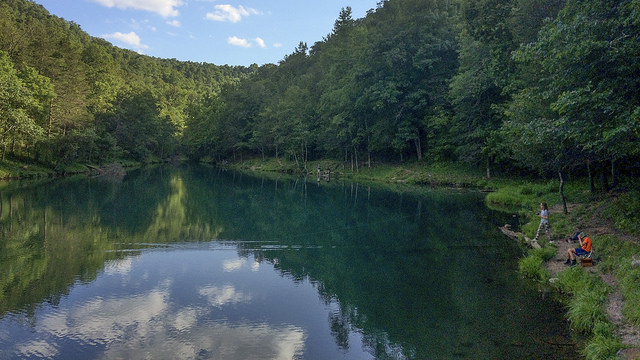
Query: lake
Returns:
{"type": "Point", "coordinates": [197, 262]}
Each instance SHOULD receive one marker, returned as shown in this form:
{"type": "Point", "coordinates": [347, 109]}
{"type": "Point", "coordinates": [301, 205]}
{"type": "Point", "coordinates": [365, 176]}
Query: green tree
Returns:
{"type": "Point", "coordinates": [19, 105]}
{"type": "Point", "coordinates": [139, 130]}
{"type": "Point", "coordinates": [589, 76]}
{"type": "Point", "coordinates": [202, 135]}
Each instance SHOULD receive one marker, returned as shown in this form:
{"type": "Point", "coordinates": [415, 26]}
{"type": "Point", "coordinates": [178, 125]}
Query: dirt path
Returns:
{"type": "Point", "coordinates": [629, 334]}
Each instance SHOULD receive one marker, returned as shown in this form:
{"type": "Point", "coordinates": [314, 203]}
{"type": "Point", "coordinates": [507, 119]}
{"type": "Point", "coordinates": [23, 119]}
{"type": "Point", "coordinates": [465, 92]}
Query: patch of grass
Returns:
{"type": "Point", "coordinates": [523, 198]}
{"type": "Point", "coordinates": [587, 312]}
{"type": "Point", "coordinates": [617, 258]}
{"type": "Point", "coordinates": [532, 265]}
{"type": "Point", "coordinates": [587, 309]}
{"type": "Point", "coordinates": [546, 253]}
{"type": "Point", "coordinates": [10, 168]}
{"type": "Point", "coordinates": [388, 173]}
{"type": "Point", "coordinates": [601, 347]}
{"type": "Point", "coordinates": [629, 278]}
{"type": "Point", "coordinates": [624, 211]}
{"type": "Point", "coordinates": [417, 173]}
{"type": "Point", "coordinates": [575, 280]}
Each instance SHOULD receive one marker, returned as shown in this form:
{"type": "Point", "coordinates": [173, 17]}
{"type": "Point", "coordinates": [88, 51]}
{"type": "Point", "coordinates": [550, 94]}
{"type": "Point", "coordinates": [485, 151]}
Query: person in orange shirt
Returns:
{"type": "Point", "coordinates": [584, 249]}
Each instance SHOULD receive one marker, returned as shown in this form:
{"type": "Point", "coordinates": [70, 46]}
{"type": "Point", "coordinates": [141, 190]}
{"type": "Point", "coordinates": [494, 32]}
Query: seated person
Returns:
{"type": "Point", "coordinates": [584, 249]}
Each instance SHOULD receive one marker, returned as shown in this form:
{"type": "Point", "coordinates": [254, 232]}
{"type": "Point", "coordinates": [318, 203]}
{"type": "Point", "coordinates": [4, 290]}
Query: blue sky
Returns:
{"type": "Point", "coordinates": [233, 32]}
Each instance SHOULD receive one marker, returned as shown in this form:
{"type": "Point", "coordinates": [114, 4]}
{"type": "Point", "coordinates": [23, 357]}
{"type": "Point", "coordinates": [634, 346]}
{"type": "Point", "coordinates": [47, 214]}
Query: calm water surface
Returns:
{"type": "Point", "coordinates": [201, 263]}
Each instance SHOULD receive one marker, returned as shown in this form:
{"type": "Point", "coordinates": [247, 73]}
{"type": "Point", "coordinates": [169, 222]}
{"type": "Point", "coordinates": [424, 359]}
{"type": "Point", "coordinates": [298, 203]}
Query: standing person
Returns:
{"type": "Point", "coordinates": [584, 249]}
{"type": "Point", "coordinates": [544, 221]}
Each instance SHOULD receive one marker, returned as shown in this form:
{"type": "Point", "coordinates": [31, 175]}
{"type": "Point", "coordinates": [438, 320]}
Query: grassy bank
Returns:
{"type": "Point", "coordinates": [611, 220]}
{"type": "Point", "coordinates": [16, 168]}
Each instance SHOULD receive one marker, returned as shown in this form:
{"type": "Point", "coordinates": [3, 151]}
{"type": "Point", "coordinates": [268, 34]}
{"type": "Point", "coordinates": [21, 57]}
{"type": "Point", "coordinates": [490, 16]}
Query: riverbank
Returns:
{"type": "Point", "coordinates": [613, 251]}
{"type": "Point", "coordinates": [605, 314]}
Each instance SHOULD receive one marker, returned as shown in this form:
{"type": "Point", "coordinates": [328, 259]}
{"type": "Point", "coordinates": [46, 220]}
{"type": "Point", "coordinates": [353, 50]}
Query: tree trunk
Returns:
{"type": "Point", "coordinates": [356, 155]}
{"type": "Point", "coordinates": [603, 176]}
{"type": "Point", "coordinates": [614, 178]}
{"type": "Point", "coordinates": [50, 119]}
{"type": "Point", "coordinates": [346, 157]}
{"type": "Point", "coordinates": [488, 169]}
{"type": "Point", "coordinates": [592, 187]}
{"type": "Point", "coordinates": [561, 189]}
{"type": "Point", "coordinates": [418, 145]}
{"type": "Point", "coordinates": [352, 163]}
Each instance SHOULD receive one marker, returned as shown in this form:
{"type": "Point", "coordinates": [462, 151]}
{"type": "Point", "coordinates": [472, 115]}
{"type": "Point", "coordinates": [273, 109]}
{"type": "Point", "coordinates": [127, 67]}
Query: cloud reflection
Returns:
{"type": "Point", "coordinates": [37, 348]}
{"type": "Point", "coordinates": [118, 267]}
{"type": "Point", "coordinates": [107, 320]}
{"type": "Point", "coordinates": [216, 341]}
{"type": "Point", "coordinates": [149, 326]}
{"type": "Point", "coordinates": [233, 265]}
{"type": "Point", "coordinates": [219, 296]}
{"type": "Point", "coordinates": [237, 264]}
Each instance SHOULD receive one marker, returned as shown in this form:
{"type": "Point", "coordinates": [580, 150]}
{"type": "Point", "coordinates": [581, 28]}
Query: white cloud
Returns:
{"type": "Point", "coordinates": [277, 45]}
{"type": "Point", "coordinates": [230, 13]}
{"type": "Point", "coordinates": [246, 43]}
{"type": "Point", "coordinates": [234, 40]}
{"type": "Point", "coordinates": [174, 23]}
{"type": "Point", "coordinates": [165, 8]}
{"type": "Point", "coordinates": [130, 39]}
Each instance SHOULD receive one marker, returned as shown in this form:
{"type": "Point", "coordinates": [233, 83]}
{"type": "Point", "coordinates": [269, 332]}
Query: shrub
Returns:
{"type": "Point", "coordinates": [532, 267]}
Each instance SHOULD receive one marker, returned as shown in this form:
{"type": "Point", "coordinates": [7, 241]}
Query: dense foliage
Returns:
{"type": "Point", "coordinates": [67, 97]}
{"type": "Point", "coordinates": [544, 87]}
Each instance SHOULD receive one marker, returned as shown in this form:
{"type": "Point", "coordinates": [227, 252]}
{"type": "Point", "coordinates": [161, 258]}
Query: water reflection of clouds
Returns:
{"type": "Point", "coordinates": [148, 326]}
{"type": "Point", "coordinates": [37, 348]}
{"type": "Point", "coordinates": [215, 341]}
{"type": "Point", "coordinates": [104, 320]}
{"type": "Point", "coordinates": [219, 296]}
{"type": "Point", "coordinates": [237, 264]}
{"type": "Point", "coordinates": [118, 267]}
{"type": "Point", "coordinates": [233, 265]}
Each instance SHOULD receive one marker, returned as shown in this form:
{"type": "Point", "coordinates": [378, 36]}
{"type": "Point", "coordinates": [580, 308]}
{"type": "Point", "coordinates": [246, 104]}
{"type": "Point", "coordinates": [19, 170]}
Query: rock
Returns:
{"type": "Point", "coordinates": [517, 235]}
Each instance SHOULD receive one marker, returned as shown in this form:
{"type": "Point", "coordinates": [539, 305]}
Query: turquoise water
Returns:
{"type": "Point", "coordinates": [196, 262]}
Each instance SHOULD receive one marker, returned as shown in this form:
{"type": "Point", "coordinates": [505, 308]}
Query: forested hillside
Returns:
{"type": "Point", "coordinates": [67, 97]}
{"type": "Point", "coordinates": [541, 86]}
